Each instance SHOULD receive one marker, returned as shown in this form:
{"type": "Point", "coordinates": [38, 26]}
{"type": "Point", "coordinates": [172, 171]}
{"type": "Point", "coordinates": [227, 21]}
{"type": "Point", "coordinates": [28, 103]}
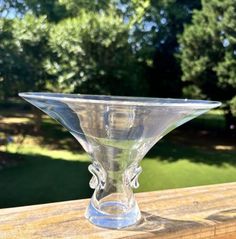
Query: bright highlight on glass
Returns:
{"type": "Point", "coordinates": [116, 132]}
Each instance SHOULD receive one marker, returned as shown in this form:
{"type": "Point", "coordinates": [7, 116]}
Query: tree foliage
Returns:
{"type": "Point", "coordinates": [9, 55]}
{"type": "Point", "coordinates": [97, 60]}
{"type": "Point", "coordinates": [23, 49]}
{"type": "Point", "coordinates": [84, 49]}
{"type": "Point", "coordinates": [208, 50]}
{"type": "Point", "coordinates": [118, 47]}
{"type": "Point", "coordinates": [156, 37]}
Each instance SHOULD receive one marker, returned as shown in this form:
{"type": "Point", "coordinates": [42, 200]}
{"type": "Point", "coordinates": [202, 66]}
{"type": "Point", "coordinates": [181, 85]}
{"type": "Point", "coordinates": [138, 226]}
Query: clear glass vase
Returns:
{"type": "Point", "coordinates": [116, 132]}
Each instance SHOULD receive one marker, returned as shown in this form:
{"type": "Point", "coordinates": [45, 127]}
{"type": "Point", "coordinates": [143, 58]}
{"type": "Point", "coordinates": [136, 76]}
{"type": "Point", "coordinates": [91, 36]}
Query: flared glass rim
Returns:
{"type": "Point", "coordinates": [121, 100]}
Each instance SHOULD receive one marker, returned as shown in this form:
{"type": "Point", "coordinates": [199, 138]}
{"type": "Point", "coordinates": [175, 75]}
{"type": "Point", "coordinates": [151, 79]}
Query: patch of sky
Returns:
{"type": "Point", "coordinates": [122, 6]}
{"type": "Point", "coordinates": [226, 42]}
{"type": "Point", "coordinates": [162, 12]}
{"type": "Point", "coordinates": [219, 18]}
{"type": "Point", "coordinates": [149, 25]}
{"type": "Point", "coordinates": [163, 20]}
{"type": "Point", "coordinates": [126, 19]}
{"type": "Point", "coordinates": [162, 41]}
{"type": "Point", "coordinates": [9, 12]}
{"type": "Point", "coordinates": [222, 32]}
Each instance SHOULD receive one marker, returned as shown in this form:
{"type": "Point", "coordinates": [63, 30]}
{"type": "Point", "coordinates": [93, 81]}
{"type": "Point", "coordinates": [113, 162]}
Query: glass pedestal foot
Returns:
{"type": "Point", "coordinates": [118, 217]}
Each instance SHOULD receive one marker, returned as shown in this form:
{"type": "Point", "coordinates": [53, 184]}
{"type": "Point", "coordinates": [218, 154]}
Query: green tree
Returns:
{"type": "Point", "coordinates": [208, 51]}
{"type": "Point", "coordinates": [23, 50]}
{"type": "Point", "coordinates": [74, 7]}
{"type": "Point", "coordinates": [9, 56]}
{"type": "Point", "coordinates": [154, 38]}
{"type": "Point", "coordinates": [92, 54]}
{"type": "Point", "coordinates": [125, 45]}
{"type": "Point", "coordinates": [105, 63]}
{"type": "Point", "coordinates": [31, 37]}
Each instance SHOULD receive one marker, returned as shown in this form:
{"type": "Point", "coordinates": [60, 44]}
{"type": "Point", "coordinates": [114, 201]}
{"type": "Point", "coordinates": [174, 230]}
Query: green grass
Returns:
{"type": "Point", "coordinates": [174, 167]}
{"type": "Point", "coordinates": [52, 168]}
{"type": "Point", "coordinates": [37, 150]}
{"type": "Point", "coordinates": [183, 173]}
{"type": "Point", "coordinates": [41, 179]}
{"type": "Point", "coordinates": [212, 120]}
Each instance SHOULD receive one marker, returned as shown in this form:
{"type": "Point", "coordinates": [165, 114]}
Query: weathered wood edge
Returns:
{"type": "Point", "coordinates": [187, 213]}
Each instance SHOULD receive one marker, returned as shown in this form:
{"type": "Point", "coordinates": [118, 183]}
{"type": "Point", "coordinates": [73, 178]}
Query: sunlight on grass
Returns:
{"type": "Point", "coordinates": [15, 120]}
{"type": "Point", "coordinates": [225, 147]}
{"type": "Point", "coordinates": [158, 174]}
{"type": "Point", "coordinates": [55, 154]}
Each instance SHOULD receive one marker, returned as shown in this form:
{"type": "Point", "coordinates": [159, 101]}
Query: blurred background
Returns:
{"type": "Point", "coordinates": [164, 48]}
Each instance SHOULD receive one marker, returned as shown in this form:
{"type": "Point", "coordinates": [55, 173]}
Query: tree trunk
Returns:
{"type": "Point", "coordinates": [37, 120]}
{"type": "Point", "coordinates": [230, 120]}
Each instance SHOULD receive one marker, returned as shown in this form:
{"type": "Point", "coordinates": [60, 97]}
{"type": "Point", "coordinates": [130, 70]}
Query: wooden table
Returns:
{"type": "Point", "coordinates": [197, 212]}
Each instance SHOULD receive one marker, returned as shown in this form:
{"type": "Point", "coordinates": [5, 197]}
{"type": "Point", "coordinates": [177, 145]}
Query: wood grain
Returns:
{"type": "Point", "coordinates": [189, 213]}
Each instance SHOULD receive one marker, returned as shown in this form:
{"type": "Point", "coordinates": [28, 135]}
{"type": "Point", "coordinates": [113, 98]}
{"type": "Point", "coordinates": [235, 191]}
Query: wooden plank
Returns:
{"type": "Point", "coordinates": [189, 213]}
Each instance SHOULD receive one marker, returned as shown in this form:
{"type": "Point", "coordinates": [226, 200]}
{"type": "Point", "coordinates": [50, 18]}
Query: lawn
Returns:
{"type": "Point", "coordinates": [50, 166]}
